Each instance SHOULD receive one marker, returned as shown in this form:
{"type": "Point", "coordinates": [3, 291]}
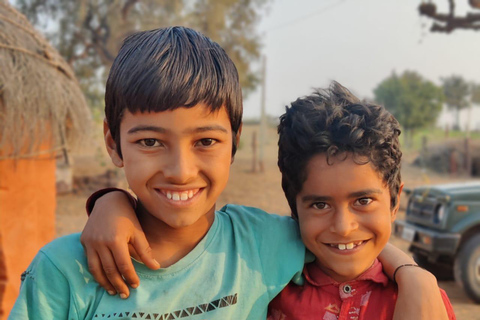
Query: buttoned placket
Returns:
{"type": "Point", "coordinates": [346, 291]}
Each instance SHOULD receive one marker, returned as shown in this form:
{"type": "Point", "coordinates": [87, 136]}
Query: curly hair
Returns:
{"type": "Point", "coordinates": [335, 122]}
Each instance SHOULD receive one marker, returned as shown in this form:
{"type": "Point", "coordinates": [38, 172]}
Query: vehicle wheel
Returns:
{"type": "Point", "coordinates": [467, 267]}
{"type": "Point", "coordinates": [441, 271]}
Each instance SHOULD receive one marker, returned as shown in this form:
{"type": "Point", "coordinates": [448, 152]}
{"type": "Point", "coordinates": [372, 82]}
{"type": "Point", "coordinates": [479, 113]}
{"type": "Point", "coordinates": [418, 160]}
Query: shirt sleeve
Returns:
{"type": "Point", "coordinates": [276, 242]}
{"type": "Point", "coordinates": [44, 293]}
{"type": "Point", "coordinates": [98, 194]}
{"type": "Point", "coordinates": [448, 305]}
{"type": "Point", "coordinates": [282, 252]}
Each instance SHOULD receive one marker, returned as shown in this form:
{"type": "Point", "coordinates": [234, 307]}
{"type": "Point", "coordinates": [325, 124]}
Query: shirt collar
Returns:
{"type": "Point", "coordinates": [316, 277]}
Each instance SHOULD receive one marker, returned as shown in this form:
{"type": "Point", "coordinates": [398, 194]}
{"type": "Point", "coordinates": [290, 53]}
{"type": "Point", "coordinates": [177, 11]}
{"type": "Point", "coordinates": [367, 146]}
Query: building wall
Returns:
{"type": "Point", "coordinates": [27, 219]}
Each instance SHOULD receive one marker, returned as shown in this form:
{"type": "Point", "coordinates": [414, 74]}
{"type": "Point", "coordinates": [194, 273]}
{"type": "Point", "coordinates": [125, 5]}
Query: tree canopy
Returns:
{"type": "Point", "coordinates": [413, 100]}
{"type": "Point", "coordinates": [457, 92]}
{"type": "Point", "coordinates": [88, 33]}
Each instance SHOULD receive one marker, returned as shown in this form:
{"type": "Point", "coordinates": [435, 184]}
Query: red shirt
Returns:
{"type": "Point", "coordinates": [370, 296]}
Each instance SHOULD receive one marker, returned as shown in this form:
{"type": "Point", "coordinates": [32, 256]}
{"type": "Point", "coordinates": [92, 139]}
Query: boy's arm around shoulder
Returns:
{"type": "Point", "coordinates": [419, 296]}
{"type": "Point", "coordinates": [110, 229]}
{"type": "Point", "coordinates": [276, 239]}
{"type": "Point", "coordinates": [44, 293]}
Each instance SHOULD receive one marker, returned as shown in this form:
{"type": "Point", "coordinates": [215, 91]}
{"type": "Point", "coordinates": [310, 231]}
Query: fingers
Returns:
{"type": "Point", "coordinates": [124, 265]}
{"type": "Point", "coordinates": [101, 264]}
{"type": "Point", "coordinates": [113, 274]}
{"type": "Point", "coordinates": [95, 268]}
{"type": "Point", "coordinates": [107, 235]}
{"type": "Point", "coordinates": [144, 251]}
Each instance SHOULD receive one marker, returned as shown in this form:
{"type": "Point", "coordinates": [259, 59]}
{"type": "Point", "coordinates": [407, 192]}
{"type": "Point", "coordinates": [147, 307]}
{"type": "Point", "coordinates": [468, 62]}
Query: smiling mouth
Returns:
{"type": "Point", "coordinates": [183, 195]}
{"type": "Point", "coordinates": [346, 246]}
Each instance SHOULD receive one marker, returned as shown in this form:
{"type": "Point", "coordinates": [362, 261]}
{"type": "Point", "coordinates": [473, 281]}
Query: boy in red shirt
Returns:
{"type": "Point", "coordinates": [340, 163]}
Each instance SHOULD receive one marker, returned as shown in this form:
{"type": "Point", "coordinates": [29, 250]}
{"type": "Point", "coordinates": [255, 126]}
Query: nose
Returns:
{"type": "Point", "coordinates": [344, 222]}
{"type": "Point", "coordinates": [181, 166]}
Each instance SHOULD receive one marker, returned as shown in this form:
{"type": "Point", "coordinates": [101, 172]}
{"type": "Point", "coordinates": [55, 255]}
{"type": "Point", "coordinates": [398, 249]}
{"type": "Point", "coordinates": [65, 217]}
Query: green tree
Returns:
{"type": "Point", "coordinates": [475, 90]}
{"type": "Point", "coordinates": [88, 33]}
{"type": "Point", "coordinates": [413, 100]}
{"type": "Point", "coordinates": [457, 92]}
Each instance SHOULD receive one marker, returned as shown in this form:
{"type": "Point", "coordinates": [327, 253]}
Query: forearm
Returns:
{"type": "Point", "coordinates": [103, 195]}
{"type": "Point", "coordinates": [418, 293]}
{"type": "Point", "coordinates": [418, 296]}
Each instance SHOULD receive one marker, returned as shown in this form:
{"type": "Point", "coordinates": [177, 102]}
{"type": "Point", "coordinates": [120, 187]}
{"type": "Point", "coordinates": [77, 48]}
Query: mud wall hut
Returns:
{"type": "Point", "coordinates": [42, 114]}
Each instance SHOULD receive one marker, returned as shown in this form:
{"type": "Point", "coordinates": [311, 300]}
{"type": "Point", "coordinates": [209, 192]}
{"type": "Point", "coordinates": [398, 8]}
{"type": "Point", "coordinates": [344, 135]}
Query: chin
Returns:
{"type": "Point", "coordinates": [182, 223]}
{"type": "Point", "coordinates": [178, 224]}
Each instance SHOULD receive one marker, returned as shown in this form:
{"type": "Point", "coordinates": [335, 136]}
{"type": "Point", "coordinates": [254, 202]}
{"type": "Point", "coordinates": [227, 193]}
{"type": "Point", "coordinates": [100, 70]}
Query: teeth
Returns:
{"type": "Point", "coordinates": [180, 196]}
{"type": "Point", "coordinates": [346, 246]}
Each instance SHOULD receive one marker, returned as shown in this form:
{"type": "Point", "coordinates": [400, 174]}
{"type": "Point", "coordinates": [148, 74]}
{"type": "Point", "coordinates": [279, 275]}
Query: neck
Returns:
{"type": "Point", "coordinates": [339, 277]}
{"type": "Point", "coordinates": [170, 244]}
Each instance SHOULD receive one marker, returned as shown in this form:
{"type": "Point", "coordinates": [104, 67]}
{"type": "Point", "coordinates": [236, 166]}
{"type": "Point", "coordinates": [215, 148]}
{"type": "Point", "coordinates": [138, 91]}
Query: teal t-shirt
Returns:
{"type": "Point", "coordinates": [243, 262]}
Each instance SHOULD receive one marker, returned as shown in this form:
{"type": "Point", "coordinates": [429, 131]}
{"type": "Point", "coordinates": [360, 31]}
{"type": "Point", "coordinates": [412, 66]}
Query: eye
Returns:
{"type": "Point", "coordinates": [149, 143]}
{"type": "Point", "coordinates": [320, 205]}
{"type": "Point", "coordinates": [363, 201]}
{"type": "Point", "coordinates": [206, 142]}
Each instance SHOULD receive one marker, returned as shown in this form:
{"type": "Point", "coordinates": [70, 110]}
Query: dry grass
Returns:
{"type": "Point", "coordinates": [40, 99]}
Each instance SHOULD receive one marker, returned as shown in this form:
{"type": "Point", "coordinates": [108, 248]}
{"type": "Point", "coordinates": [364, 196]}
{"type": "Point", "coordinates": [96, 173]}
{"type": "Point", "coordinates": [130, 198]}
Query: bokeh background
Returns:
{"type": "Point", "coordinates": [418, 58]}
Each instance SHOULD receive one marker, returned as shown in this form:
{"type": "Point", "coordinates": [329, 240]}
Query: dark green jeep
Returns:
{"type": "Point", "coordinates": [442, 224]}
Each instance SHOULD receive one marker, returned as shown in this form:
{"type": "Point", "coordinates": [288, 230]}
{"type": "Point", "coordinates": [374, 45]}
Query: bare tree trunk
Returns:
{"type": "Point", "coordinates": [467, 124]}
{"type": "Point", "coordinates": [254, 152]}
{"type": "Point", "coordinates": [457, 119]}
{"type": "Point", "coordinates": [263, 120]}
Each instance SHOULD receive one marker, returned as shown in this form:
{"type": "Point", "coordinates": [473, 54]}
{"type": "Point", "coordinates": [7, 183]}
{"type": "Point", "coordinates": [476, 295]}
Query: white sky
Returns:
{"type": "Point", "coordinates": [358, 43]}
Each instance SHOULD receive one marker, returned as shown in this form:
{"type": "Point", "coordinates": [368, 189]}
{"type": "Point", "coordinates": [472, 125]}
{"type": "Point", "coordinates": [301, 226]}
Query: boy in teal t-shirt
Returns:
{"type": "Point", "coordinates": [173, 120]}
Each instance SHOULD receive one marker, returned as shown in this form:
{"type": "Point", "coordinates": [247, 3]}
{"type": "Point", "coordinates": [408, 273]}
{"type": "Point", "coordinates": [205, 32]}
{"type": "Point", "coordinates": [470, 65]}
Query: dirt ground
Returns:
{"type": "Point", "coordinates": [92, 170]}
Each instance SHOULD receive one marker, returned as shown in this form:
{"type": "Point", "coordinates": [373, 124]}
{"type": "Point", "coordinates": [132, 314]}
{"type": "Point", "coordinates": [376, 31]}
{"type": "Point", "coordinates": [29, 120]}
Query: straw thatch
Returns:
{"type": "Point", "coordinates": [40, 99]}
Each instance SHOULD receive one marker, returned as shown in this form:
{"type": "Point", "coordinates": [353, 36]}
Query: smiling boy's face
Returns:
{"type": "Point", "coordinates": [177, 162]}
{"type": "Point", "coordinates": [345, 215]}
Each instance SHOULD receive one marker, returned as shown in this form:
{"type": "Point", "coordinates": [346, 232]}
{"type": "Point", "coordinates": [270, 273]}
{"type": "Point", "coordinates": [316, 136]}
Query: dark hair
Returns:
{"type": "Point", "coordinates": [164, 69]}
{"type": "Point", "coordinates": [335, 122]}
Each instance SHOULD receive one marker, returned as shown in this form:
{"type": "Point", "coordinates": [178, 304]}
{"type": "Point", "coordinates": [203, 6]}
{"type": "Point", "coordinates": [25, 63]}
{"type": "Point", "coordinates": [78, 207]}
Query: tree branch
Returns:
{"type": "Point", "coordinates": [127, 7]}
{"type": "Point", "coordinates": [99, 35]}
{"type": "Point", "coordinates": [448, 22]}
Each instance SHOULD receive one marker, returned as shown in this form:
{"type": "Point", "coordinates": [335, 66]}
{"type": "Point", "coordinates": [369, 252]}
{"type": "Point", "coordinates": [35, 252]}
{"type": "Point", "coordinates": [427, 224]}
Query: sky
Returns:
{"type": "Point", "coordinates": [309, 43]}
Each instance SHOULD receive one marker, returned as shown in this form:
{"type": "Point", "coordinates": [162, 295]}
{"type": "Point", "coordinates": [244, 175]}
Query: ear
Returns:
{"type": "Point", "coordinates": [111, 146]}
{"type": "Point", "coordinates": [397, 206]}
{"type": "Point", "coordinates": [237, 139]}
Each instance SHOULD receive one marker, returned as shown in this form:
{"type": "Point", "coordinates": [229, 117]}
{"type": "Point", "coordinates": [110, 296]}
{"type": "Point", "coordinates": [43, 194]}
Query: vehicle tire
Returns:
{"type": "Point", "coordinates": [467, 268]}
{"type": "Point", "coordinates": [442, 272]}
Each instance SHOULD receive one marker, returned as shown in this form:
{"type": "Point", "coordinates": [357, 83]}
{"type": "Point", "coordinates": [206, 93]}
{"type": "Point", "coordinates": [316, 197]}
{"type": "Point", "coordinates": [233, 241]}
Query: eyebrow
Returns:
{"type": "Point", "coordinates": [358, 194]}
{"type": "Point", "coordinates": [141, 128]}
{"type": "Point", "coordinates": [147, 128]}
{"type": "Point", "coordinates": [208, 128]}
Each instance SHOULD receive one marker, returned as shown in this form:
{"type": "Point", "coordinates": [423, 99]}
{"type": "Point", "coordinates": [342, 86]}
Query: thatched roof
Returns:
{"type": "Point", "coordinates": [40, 99]}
